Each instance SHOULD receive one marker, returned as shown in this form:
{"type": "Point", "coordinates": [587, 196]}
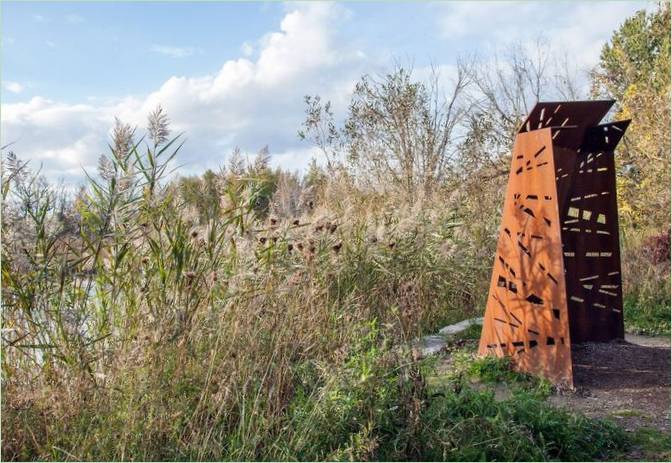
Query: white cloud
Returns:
{"type": "Point", "coordinates": [13, 87]}
{"type": "Point", "coordinates": [247, 103]}
{"type": "Point", "coordinates": [175, 52]}
{"type": "Point", "coordinates": [74, 18]}
{"type": "Point", "coordinates": [247, 49]}
{"type": "Point", "coordinates": [577, 29]}
{"type": "Point", "coordinates": [40, 18]}
{"type": "Point", "coordinates": [50, 44]}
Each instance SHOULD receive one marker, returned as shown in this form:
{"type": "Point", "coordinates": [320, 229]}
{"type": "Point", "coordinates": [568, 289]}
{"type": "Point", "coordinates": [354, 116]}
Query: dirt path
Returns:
{"type": "Point", "coordinates": [628, 382]}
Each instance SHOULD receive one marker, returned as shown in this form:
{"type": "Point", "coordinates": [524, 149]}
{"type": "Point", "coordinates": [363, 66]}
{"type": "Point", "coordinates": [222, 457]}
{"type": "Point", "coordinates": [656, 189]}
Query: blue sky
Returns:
{"type": "Point", "coordinates": [234, 74]}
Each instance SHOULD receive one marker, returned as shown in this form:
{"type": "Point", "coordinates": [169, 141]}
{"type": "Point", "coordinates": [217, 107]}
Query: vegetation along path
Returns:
{"type": "Point", "coordinates": [626, 382]}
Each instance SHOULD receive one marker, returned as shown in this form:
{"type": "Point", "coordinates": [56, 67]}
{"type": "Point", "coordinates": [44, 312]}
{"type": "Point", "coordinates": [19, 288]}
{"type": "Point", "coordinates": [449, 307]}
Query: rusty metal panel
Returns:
{"type": "Point", "coordinates": [567, 119]}
{"type": "Point", "coordinates": [590, 238]}
{"type": "Point", "coordinates": [526, 313]}
{"type": "Point", "coordinates": [556, 277]}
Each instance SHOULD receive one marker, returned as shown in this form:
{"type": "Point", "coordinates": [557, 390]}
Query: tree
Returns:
{"type": "Point", "coordinates": [399, 134]}
{"type": "Point", "coordinates": [506, 87]}
{"type": "Point", "coordinates": [634, 69]}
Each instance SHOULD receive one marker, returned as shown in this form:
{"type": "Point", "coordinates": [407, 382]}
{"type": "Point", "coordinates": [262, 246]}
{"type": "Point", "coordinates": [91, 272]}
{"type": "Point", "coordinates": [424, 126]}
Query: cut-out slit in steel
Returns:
{"type": "Point", "coordinates": [534, 299]}
{"type": "Point", "coordinates": [524, 248]}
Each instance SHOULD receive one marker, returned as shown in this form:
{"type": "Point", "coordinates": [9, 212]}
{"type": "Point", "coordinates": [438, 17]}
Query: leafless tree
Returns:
{"type": "Point", "coordinates": [399, 132]}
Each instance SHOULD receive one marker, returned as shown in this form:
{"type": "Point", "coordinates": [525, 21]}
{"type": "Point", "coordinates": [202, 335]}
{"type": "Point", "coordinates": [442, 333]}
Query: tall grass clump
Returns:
{"type": "Point", "coordinates": [134, 329]}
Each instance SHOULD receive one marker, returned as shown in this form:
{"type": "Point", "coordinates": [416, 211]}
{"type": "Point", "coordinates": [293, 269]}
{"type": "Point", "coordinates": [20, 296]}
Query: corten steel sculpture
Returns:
{"type": "Point", "coordinates": [556, 277]}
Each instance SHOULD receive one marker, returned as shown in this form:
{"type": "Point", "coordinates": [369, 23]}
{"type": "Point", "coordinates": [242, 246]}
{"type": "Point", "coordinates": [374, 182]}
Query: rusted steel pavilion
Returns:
{"type": "Point", "coordinates": [556, 278]}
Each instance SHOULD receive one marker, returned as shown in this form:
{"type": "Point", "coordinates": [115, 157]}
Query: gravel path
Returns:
{"type": "Point", "coordinates": [627, 381]}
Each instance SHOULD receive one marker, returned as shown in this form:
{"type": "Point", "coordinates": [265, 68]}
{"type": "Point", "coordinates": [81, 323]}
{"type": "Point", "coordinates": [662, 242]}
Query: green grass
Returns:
{"type": "Point", "coordinates": [653, 444]}
{"type": "Point", "coordinates": [647, 316]}
{"type": "Point", "coordinates": [467, 422]}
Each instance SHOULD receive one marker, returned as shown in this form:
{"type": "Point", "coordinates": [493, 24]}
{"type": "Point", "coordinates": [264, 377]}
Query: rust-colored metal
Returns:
{"type": "Point", "coordinates": [556, 277]}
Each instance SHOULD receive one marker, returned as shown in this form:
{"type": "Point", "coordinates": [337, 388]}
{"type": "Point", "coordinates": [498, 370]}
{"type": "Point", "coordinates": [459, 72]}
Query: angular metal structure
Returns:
{"type": "Point", "coordinates": [556, 277]}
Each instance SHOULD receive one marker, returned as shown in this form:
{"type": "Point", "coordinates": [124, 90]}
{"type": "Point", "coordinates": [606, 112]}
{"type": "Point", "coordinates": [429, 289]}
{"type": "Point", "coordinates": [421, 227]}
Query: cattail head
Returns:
{"type": "Point", "coordinates": [262, 240]}
{"type": "Point", "coordinates": [337, 247]}
{"type": "Point", "coordinates": [333, 228]}
{"type": "Point", "coordinates": [296, 222]}
{"type": "Point", "coordinates": [194, 233]}
{"type": "Point", "coordinates": [290, 247]}
{"type": "Point", "coordinates": [189, 276]}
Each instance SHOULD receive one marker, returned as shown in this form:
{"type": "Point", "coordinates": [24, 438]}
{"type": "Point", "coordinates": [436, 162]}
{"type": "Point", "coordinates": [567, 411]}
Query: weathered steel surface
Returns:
{"type": "Point", "coordinates": [526, 315]}
{"type": "Point", "coordinates": [556, 277]}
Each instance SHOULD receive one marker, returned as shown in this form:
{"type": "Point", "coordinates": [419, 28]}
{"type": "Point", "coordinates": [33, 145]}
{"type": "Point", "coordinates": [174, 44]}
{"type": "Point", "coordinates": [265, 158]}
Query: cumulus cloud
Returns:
{"type": "Point", "coordinates": [13, 87]}
{"type": "Point", "coordinates": [247, 103]}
